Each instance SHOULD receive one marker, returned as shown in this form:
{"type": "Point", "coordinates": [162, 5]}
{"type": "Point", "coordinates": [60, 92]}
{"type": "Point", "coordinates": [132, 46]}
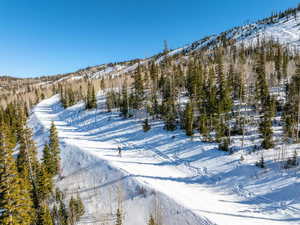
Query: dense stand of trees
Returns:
{"type": "Point", "coordinates": [27, 195]}
{"type": "Point", "coordinates": [217, 84]}
{"type": "Point", "coordinates": [215, 93]}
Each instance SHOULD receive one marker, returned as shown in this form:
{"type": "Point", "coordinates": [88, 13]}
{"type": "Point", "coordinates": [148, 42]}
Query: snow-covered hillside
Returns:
{"type": "Point", "coordinates": [194, 182]}
{"type": "Point", "coordinates": [285, 30]}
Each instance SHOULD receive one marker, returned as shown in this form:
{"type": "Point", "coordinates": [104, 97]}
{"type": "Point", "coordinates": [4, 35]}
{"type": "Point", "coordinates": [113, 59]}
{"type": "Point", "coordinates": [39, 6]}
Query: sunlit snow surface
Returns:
{"type": "Point", "coordinates": [206, 184]}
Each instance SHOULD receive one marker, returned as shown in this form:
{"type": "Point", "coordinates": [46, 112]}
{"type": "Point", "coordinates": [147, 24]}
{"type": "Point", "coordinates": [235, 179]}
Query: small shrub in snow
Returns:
{"type": "Point", "coordinates": [292, 162]}
{"type": "Point", "coordinates": [242, 158]}
{"type": "Point", "coordinates": [146, 125]}
{"type": "Point", "coordinates": [141, 191]}
{"type": "Point", "coordinates": [261, 163]}
{"type": "Point", "coordinates": [224, 145]}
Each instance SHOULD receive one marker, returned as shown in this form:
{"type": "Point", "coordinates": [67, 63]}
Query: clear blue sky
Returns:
{"type": "Point", "coordinates": [45, 37]}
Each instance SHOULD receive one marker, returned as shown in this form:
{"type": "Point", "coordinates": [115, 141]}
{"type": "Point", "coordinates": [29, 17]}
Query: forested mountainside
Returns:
{"type": "Point", "coordinates": [216, 119]}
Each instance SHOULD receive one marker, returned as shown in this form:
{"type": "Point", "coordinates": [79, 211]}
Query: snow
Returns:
{"type": "Point", "coordinates": [285, 31]}
{"type": "Point", "coordinates": [97, 178]}
{"type": "Point", "coordinates": [196, 183]}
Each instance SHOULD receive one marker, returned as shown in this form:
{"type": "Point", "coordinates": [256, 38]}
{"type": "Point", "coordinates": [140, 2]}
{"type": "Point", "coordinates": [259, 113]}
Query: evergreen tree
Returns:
{"type": "Point", "coordinates": [146, 125]}
{"type": "Point", "coordinates": [125, 100]}
{"type": "Point", "coordinates": [151, 221]}
{"type": "Point", "coordinates": [15, 202]}
{"type": "Point", "coordinates": [54, 149]}
{"type": "Point", "coordinates": [119, 220]}
{"type": "Point", "coordinates": [169, 115]}
{"type": "Point", "coordinates": [44, 216]}
{"type": "Point", "coordinates": [203, 127]}
{"type": "Point", "coordinates": [91, 100]}
{"type": "Point", "coordinates": [189, 119]}
{"type": "Point", "coordinates": [223, 91]}
{"type": "Point", "coordinates": [48, 160]}
{"type": "Point", "coordinates": [265, 126]}
{"type": "Point", "coordinates": [44, 183]}
{"type": "Point", "coordinates": [27, 162]}
{"type": "Point", "coordinates": [138, 86]}
{"type": "Point", "coordinates": [63, 214]}
{"type": "Point", "coordinates": [262, 91]}
{"type": "Point", "coordinates": [76, 210]}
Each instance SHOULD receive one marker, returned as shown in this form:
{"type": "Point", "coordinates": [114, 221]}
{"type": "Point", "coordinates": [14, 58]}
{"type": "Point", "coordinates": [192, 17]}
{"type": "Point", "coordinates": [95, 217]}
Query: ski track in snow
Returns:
{"type": "Point", "coordinates": [157, 161]}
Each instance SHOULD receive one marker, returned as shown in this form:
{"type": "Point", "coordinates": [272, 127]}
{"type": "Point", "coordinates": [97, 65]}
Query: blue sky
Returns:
{"type": "Point", "coordinates": [46, 37]}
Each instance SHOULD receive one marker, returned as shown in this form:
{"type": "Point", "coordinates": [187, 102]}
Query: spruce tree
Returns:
{"type": "Point", "coordinates": [44, 216]}
{"type": "Point", "coordinates": [91, 100]}
{"type": "Point", "coordinates": [265, 126]}
{"type": "Point", "coordinates": [203, 127]}
{"type": "Point", "coordinates": [48, 160]}
{"type": "Point", "coordinates": [189, 119]}
{"type": "Point", "coordinates": [27, 162]}
{"type": "Point", "coordinates": [76, 210]}
{"type": "Point", "coordinates": [54, 149]}
{"type": "Point", "coordinates": [15, 202]}
{"type": "Point", "coordinates": [169, 115]}
{"type": "Point", "coordinates": [151, 221]}
{"type": "Point", "coordinates": [146, 125]}
{"type": "Point", "coordinates": [223, 91]}
{"type": "Point", "coordinates": [138, 86]}
{"type": "Point", "coordinates": [125, 100]}
{"type": "Point", "coordinates": [63, 214]}
{"type": "Point", "coordinates": [44, 183]}
{"type": "Point", "coordinates": [119, 220]}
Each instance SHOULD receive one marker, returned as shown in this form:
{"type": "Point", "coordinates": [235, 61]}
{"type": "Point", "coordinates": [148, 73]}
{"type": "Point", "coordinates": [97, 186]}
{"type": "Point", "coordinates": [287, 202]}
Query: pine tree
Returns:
{"type": "Point", "coordinates": [72, 211]}
{"type": "Point", "coordinates": [138, 86]}
{"type": "Point", "coordinates": [44, 216]}
{"type": "Point", "coordinates": [125, 100]}
{"type": "Point", "coordinates": [261, 162]}
{"type": "Point", "coordinates": [278, 63]}
{"type": "Point", "coordinates": [262, 91]}
{"type": "Point", "coordinates": [189, 119]}
{"type": "Point", "coordinates": [291, 114]}
{"type": "Point", "coordinates": [27, 162]}
{"type": "Point", "coordinates": [76, 210]}
{"type": "Point", "coordinates": [44, 183]}
{"type": "Point", "coordinates": [265, 126]}
{"type": "Point", "coordinates": [223, 91]}
{"type": "Point", "coordinates": [63, 214]}
{"type": "Point", "coordinates": [119, 220]}
{"type": "Point", "coordinates": [151, 221]}
{"type": "Point", "coordinates": [15, 202]}
{"type": "Point", "coordinates": [203, 127]}
{"type": "Point", "coordinates": [54, 149]}
{"type": "Point", "coordinates": [169, 114]}
{"type": "Point", "coordinates": [146, 125]}
{"type": "Point", "coordinates": [48, 160]}
{"type": "Point", "coordinates": [91, 100]}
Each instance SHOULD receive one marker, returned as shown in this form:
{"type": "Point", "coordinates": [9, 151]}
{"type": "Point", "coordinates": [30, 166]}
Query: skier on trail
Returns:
{"type": "Point", "coordinates": [120, 151]}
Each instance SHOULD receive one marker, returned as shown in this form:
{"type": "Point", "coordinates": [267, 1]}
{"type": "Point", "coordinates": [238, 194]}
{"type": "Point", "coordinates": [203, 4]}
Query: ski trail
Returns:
{"type": "Point", "coordinates": [167, 178]}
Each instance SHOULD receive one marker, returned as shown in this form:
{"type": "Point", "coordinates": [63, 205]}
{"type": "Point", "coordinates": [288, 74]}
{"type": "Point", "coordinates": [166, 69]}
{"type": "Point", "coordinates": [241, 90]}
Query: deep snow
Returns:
{"type": "Point", "coordinates": [206, 184]}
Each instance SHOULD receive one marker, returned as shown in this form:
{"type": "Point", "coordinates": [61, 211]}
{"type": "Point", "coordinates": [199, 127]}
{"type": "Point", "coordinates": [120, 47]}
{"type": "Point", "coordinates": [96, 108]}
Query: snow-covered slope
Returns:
{"type": "Point", "coordinates": [285, 30]}
{"type": "Point", "coordinates": [93, 169]}
{"type": "Point", "coordinates": [194, 182]}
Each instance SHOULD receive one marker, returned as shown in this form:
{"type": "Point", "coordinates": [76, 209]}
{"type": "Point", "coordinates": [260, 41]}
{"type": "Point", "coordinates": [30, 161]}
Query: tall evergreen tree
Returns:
{"type": "Point", "coordinates": [15, 202]}
{"type": "Point", "coordinates": [54, 149]}
{"type": "Point", "coordinates": [44, 216]}
{"type": "Point", "coordinates": [189, 119]}
{"type": "Point", "coordinates": [138, 86]}
{"type": "Point", "coordinates": [125, 100]}
{"type": "Point", "coordinates": [91, 101]}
